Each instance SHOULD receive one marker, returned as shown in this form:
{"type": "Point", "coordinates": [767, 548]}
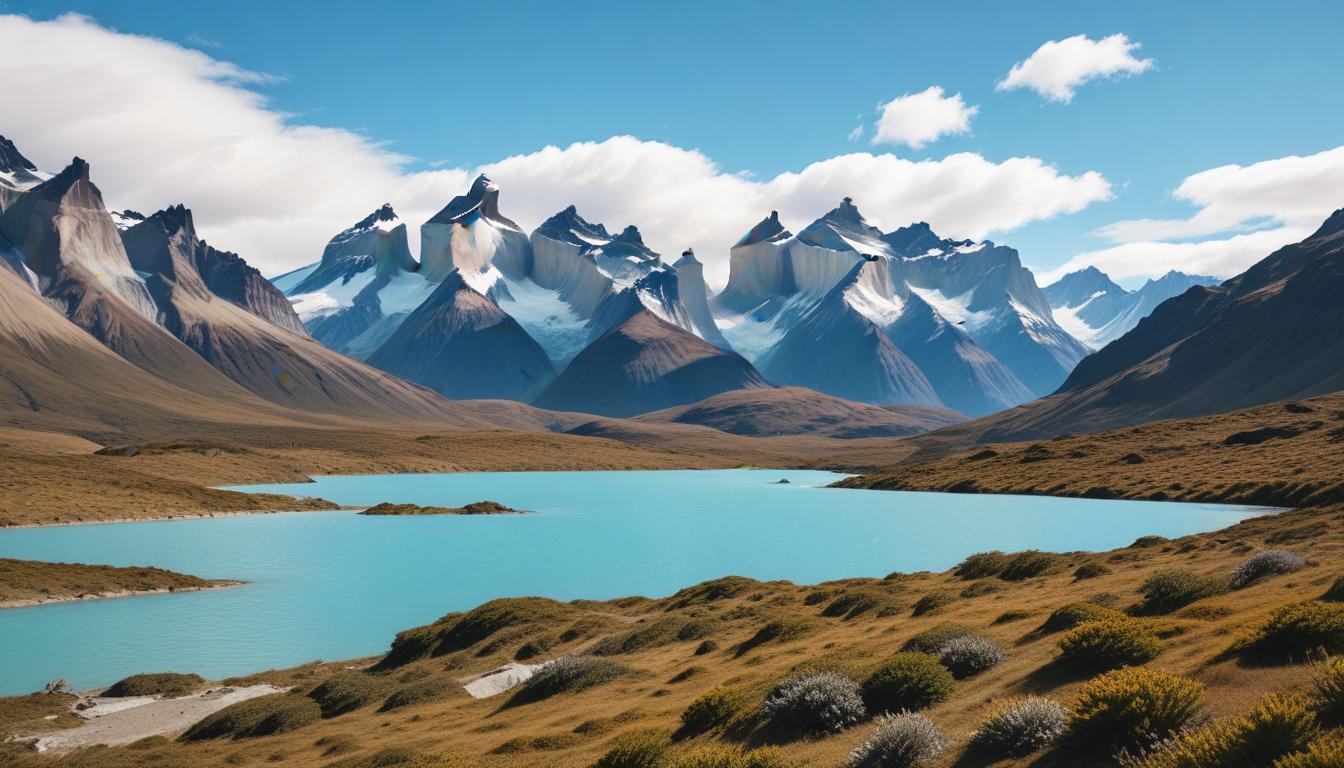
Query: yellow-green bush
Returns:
{"type": "Point", "coordinates": [1109, 643]}
{"type": "Point", "coordinates": [1297, 630]}
{"type": "Point", "coordinates": [712, 709]}
{"type": "Point", "coordinates": [1165, 591]}
{"type": "Point", "coordinates": [643, 749]}
{"type": "Point", "coordinates": [728, 756]}
{"type": "Point", "coordinates": [1328, 680]}
{"type": "Point", "coordinates": [907, 681]}
{"type": "Point", "coordinates": [1278, 726]}
{"type": "Point", "coordinates": [1126, 709]}
{"type": "Point", "coordinates": [1073, 614]}
{"type": "Point", "coordinates": [932, 602]}
{"type": "Point", "coordinates": [166, 684]}
{"type": "Point", "coordinates": [1322, 753]}
{"type": "Point", "coordinates": [347, 691]}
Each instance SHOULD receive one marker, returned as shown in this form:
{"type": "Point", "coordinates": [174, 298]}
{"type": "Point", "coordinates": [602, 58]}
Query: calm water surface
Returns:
{"type": "Point", "coordinates": [337, 585]}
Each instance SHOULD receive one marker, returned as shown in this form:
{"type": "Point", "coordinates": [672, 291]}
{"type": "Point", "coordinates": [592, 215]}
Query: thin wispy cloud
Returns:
{"type": "Point", "coordinates": [1058, 68]}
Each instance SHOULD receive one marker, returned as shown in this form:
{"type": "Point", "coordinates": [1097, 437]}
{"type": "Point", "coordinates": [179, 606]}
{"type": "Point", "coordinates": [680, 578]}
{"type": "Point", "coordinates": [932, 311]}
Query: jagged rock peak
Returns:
{"type": "Point", "coordinates": [385, 213]}
{"type": "Point", "coordinates": [768, 229]}
{"type": "Point", "coordinates": [630, 235]}
{"type": "Point", "coordinates": [569, 227]}
{"type": "Point", "coordinates": [482, 192]}
{"type": "Point", "coordinates": [11, 159]}
{"type": "Point", "coordinates": [72, 174]}
{"type": "Point", "coordinates": [687, 258]}
{"type": "Point", "coordinates": [1331, 226]}
{"type": "Point", "coordinates": [846, 211]}
{"type": "Point", "coordinates": [175, 218]}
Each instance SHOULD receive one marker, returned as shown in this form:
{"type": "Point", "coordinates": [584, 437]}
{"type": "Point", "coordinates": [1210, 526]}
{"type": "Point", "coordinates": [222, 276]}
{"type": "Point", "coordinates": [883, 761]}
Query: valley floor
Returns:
{"type": "Point", "coordinates": [410, 708]}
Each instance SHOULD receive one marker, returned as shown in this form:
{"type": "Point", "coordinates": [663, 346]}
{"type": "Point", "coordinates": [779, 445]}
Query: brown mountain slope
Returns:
{"type": "Point", "coordinates": [55, 376]}
{"type": "Point", "coordinates": [274, 362]}
{"type": "Point", "coordinates": [801, 411]}
{"type": "Point", "coordinates": [462, 345]}
{"type": "Point", "coordinates": [646, 364]}
{"type": "Point", "coordinates": [1275, 332]}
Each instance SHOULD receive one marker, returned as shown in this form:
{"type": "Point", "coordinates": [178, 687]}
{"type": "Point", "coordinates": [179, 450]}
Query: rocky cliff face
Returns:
{"type": "Point", "coordinates": [363, 287]}
{"type": "Point", "coordinates": [472, 236]}
{"type": "Point", "coordinates": [968, 314]}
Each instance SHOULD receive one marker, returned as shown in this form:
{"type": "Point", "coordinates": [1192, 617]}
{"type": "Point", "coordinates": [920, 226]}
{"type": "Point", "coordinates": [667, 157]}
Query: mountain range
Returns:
{"type": "Point", "coordinates": [1096, 311]}
{"type": "Point", "coordinates": [1273, 333]}
{"type": "Point", "coordinates": [904, 317]}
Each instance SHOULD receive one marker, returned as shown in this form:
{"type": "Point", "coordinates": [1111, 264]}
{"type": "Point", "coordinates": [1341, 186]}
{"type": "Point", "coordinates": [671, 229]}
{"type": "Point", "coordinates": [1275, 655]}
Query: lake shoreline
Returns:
{"type": "Point", "coordinates": [33, 602]}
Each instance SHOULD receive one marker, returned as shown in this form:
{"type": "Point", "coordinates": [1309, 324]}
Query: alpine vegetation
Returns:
{"type": "Point", "coordinates": [817, 702]}
{"type": "Point", "coordinates": [1262, 565]}
{"type": "Point", "coordinates": [1019, 727]}
{"type": "Point", "coordinates": [904, 740]}
{"type": "Point", "coordinates": [970, 655]}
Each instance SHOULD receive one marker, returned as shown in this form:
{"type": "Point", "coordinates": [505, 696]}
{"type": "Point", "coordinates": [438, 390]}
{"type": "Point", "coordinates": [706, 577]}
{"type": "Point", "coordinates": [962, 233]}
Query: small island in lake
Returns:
{"type": "Point", "coordinates": [474, 508]}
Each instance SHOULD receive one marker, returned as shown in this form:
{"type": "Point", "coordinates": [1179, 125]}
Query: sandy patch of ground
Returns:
{"type": "Point", "coordinates": [499, 680]}
{"type": "Point", "coordinates": [115, 722]}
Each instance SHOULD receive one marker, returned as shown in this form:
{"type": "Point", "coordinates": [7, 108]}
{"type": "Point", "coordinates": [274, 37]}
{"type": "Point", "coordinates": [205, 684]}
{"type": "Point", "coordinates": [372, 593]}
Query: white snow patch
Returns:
{"type": "Point", "coordinates": [874, 306]}
{"type": "Point", "coordinates": [956, 309]}
{"type": "Point", "coordinates": [290, 280]}
{"type": "Point", "coordinates": [546, 317]}
{"type": "Point", "coordinates": [335, 296]}
{"type": "Point", "coordinates": [404, 292]}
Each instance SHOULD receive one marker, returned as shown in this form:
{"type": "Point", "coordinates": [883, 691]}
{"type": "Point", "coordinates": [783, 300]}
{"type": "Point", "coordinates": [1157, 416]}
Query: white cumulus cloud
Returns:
{"type": "Point", "coordinates": [1245, 212]}
{"type": "Point", "coordinates": [161, 124]}
{"type": "Point", "coordinates": [1057, 68]}
{"type": "Point", "coordinates": [918, 119]}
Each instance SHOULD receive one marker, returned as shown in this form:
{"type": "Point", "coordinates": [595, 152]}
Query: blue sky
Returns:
{"type": "Point", "coordinates": [766, 88]}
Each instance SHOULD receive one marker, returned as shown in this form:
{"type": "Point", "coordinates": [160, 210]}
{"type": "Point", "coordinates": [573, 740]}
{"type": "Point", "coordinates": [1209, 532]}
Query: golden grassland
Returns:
{"type": "Point", "coordinates": [750, 635]}
{"type": "Point", "coordinates": [24, 582]}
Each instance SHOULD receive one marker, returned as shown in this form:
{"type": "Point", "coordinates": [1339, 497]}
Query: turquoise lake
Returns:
{"type": "Point", "coordinates": [335, 585]}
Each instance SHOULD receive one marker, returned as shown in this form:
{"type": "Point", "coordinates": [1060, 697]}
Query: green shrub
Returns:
{"type": "Point", "coordinates": [1108, 643]}
{"type": "Point", "coordinates": [347, 691]}
{"type": "Point", "coordinates": [262, 716]}
{"type": "Point", "coordinates": [815, 703]}
{"type": "Point", "coordinates": [1294, 631]}
{"type": "Point", "coordinates": [712, 709]}
{"type": "Point", "coordinates": [728, 756]}
{"type": "Point", "coordinates": [905, 740]}
{"type": "Point", "coordinates": [566, 675]}
{"type": "Point", "coordinates": [982, 565]}
{"type": "Point", "coordinates": [707, 646]}
{"type": "Point", "coordinates": [534, 647]}
{"type": "Point", "coordinates": [1028, 564]}
{"type": "Point", "coordinates": [1090, 570]}
{"type": "Point", "coordinates": [1165, 591]}
{"type": "Point", "coordinates": [1262, 565]}
{"type": "Point", "coordinates": [907, 681]}
{"type": "Point", "coordinates": [1011, 615]}
{"type": "Point", "coordinates": [654, 634]}
{"type": "Point", "coordinates": [1328, 682]}
{"type": "Point", "coordinates": [934, 638]}
{"type": "Point", "coordinates": [644, 749]}
{"type": "Point", "coordinates": [1147, 542]}
{"type": "Point", "coordinates": [420, 691]}
{"type": "Point", "coordinates": [1131, 709]}
{"type": "Point", "coordinates": [1019, 727]}
{"type": "Point", "coordinates": [1327, 752]}
{"type": "Point", "coordinates": [1278, 726]}
{"type": "Point", "coordinates": [166, 684]}
{"type": "Point", "coordinates": [970, 655]}
{"type": "Point", "coordinates": [979, 589]}
{"type": "Point", "coordinates": [1073, 614]}
{"type": "Point", "coordinates": [932, 601]}
{"type": "Point", "coordinates": [778, 631]}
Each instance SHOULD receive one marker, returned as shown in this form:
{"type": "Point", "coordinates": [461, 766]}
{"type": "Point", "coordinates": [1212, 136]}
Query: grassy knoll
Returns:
{"type": "Point", "coordinates": [26, 582]}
